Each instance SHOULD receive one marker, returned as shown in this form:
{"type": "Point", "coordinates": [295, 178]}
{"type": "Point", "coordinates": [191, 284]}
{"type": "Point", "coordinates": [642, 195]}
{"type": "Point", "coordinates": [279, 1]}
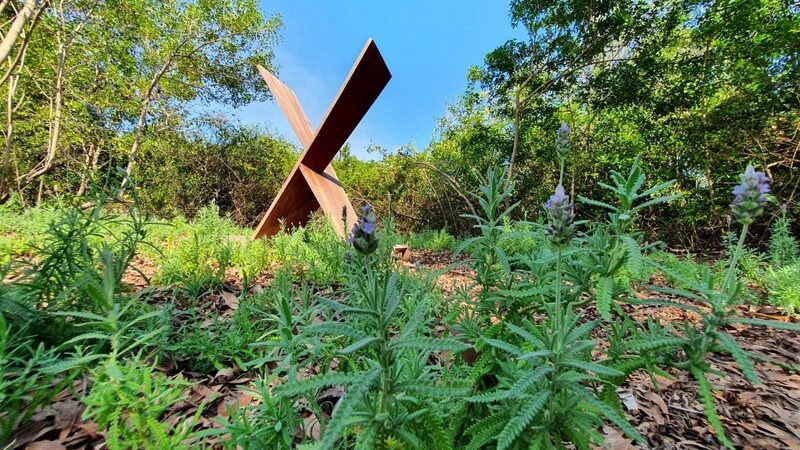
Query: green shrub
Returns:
{"type": "Point", "coordinates": [783, 287]}
{"type": "Point", "coordinates": [313, 252]}
{"type": "Point", "coordinates": [129, 401]}
{"type": "Point", "coordinates": [436, 240]}
{"type": "Point", "coordinates": [783, 249]}
{"type": "Point", "coordinates": [24, 386]}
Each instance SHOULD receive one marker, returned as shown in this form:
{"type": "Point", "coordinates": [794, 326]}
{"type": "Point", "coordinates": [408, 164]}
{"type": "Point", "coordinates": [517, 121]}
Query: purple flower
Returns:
{"type": "Point", "coordinates": [750, 195]}
{"type": "Point", "coordinates": [563, 143]}
{"type": "Point", "coordinates": [560, 215]}
{"type": "Point", "coordinates": [362, 236]}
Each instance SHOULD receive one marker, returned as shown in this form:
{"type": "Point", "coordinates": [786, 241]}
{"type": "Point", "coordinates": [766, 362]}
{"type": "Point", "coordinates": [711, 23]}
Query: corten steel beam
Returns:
{"type": "Point", "coordinates": [313, 184]}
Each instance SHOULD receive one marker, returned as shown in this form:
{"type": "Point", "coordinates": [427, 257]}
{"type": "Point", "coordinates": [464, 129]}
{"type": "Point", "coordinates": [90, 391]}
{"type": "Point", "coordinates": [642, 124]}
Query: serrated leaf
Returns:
{"type": "Point", "coordinates": [707, 398]}
{"type": "Point", "coordinates": [610, 414]}
{"type": "Point", "coordinates": [517, 424]}
{"type": "Point", "coordinates": [359, 345]}
{"type": "Point", "coordinates": [505, 346]}
{"type": "Point", "coordinates": [313, 384]}
{"type": "Point", "coordinates": [767, 323]}
{"type": "Point", "coordinates": [654, 344]}
{"type": "Point", "coordinates": [435, 390]}
{"type": "Point", "coordinates": [426, 344]}
{"type": "Point", "coordinates": [605, 288]}
{"type": "Point", "coordinates": [588, 366]}
{"type": "Point", "coordinates": [351, 398]}
{"type": "Point", "coordinates": [634, 254]}
{"type": "Point", "coordinates": [741, 357]}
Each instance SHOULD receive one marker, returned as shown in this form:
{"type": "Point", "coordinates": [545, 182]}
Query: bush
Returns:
{"type": "Point", "coordinates": [783, 286]}
{"type": "Point", "coordinates": [436, 240]}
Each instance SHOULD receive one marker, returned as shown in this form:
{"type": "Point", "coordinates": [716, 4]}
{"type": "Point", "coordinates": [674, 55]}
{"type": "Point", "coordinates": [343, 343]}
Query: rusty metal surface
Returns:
{"type": "Point", "coordinates": [312, 184]}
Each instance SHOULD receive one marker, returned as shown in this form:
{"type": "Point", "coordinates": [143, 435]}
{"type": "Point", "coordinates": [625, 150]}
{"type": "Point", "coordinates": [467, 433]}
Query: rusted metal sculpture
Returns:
{"type": "Point", "coordinates": [312, 184]}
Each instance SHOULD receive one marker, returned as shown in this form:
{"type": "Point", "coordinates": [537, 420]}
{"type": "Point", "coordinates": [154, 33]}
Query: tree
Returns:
{"type": "Point", "coordinates": [202, 49]}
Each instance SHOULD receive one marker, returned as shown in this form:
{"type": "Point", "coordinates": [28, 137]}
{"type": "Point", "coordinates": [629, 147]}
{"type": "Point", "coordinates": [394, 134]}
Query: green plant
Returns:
{"type": "Point", "coordinates": [129, 400]}
{"type": "Point", "coordinates": [199, 257]}
{"type": "Point", "coordinates": [313, 252]}
{"type": "Point", "coordinates": [24, 386]}
{"type": "Point", "coordinates": [490, 260]}
{"type": "Point", "coordinates": [436, 240]}
{"type": "Point", "coordinates": [783, 287]}
{"type": "Point", "coordinates": [282, 343]}
{"type": "Point", "coordinates": [390, 389]}
{"type": "Point", "coordinates": [269, 422]}
{"type": "Point", "coordinates": [716, 304]}
{"type": "Point", "coordinates": [548, 391]}
{"type": "Point", "coordinates": [783, 249]}
{"type": "Point", "coordinates": [72, 249]}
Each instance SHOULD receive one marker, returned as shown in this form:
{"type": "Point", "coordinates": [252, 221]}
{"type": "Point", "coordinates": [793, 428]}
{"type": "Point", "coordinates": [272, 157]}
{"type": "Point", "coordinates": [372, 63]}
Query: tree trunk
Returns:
{"type": "Point", "coordinates": [16, 28]}
{"type": "Point", "coordinates": [515, 146]}
{"type": "Point", "coordinates": [55, 123]}
{"type": "Point", "coordinates": [140, 123]}
{"type": "Point", "coordinates": [7, 176]}
{"type": "Point", "coordinates": [137, 139]}
{"type": "Point", "coordinates": [91, 167]}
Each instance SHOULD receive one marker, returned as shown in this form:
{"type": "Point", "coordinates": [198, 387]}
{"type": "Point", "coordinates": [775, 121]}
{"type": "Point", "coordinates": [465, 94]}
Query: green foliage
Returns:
{"type": "Point", "coordinates": [268, 423]}
{"type": "Point", "coordinates": [129, 400]}
{"type": "Point", "coordinates": [436, 240]}
{"type": "Point", "coordinates": [24, 385]}
{"type": "Point", "coordinates": [390, 389]}
{"type": "Point", "coordinates": [198, 257]}
{"type": "Point", "coordinates": [491, 261]}
{"type": "Point", "coordinates": [313, 252]}
{"type": "Point", "coordinates": [783, 287]}
{"type": "Point", "coordinates": [783, 249]}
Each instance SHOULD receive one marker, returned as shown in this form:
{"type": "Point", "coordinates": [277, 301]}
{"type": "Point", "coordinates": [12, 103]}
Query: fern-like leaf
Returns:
{"type": "Point", "coordinates": [435, 390]}
{"type": "Point", "coordinates": [486, 430]}
{"type": "Point", "coordinates": [505, 346]}
{"type": "Point", "coordinates": [654, 344]}
{"type": "Point", "coordinates": [516, 389]}
{"type": "Point", "coordinates": [768, 323]}
{"type": "Point", "coordinates": [707, 397]}
{"type": "Point", "coordinates": [610, 414]}
{"type": "Point", "coordinates": [312, 384]}
{"type": "Point", "coordinates": [351, 399]}
{"type": "Point", "coordinates": [740, 356]}
{"type": "Point", "coordinates": [605, 288]}
{"type": "Point", "coordinates": [358, 345]}
{"type": "Point", "coordinates": [598, 369]}
{"type": "Point", "coordinates": [427, 344]}
{"type": "Point", "coordinates": [517, 424]}
{"type": "Point", "coordinates": [635, 260]}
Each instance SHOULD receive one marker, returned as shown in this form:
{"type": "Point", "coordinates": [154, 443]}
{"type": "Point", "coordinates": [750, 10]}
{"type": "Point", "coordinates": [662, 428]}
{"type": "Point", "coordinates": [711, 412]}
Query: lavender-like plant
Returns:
{"type": "Point", "coordinates": [750, 195]}
{"type": "Point", "coordinates": [563, 147]}
{"type": "Point", "coordinates": [362, 236]}
{"type": "Point", "coordinates": [560, 215]}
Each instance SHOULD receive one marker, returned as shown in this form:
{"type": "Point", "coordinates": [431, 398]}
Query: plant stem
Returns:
{"type": "Point", "coordinates": [561, 172]}
{"type": "Point", "coordinates": [730, 276]}
{"type": "Point", "coordinates": [558, 290]}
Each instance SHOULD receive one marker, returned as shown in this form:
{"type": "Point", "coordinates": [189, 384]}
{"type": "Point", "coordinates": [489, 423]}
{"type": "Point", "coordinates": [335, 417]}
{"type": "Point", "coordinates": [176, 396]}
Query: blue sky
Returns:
{"type": "Point", "coordinates": [428, 46]}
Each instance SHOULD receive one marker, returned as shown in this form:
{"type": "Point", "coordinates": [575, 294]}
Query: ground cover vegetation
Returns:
{"type": "Point", "coordinates": [603, 233]}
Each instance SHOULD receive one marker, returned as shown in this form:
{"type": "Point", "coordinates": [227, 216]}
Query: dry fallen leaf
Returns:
{"type": "Point", "coordinates": [45, 445]}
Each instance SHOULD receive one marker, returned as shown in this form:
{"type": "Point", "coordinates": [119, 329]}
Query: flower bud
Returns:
{"type": "Point", "coordinates": [750, 195]}
{"type": "Point", "coordinates": [362, 236]}
{"type": "Point", "coordinates": [560, 215]}
{"type": "Point", "coordinates": [563, 143]}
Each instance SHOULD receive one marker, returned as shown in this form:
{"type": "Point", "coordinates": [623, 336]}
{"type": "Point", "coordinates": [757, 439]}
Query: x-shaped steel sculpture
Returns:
{"type": "Point", "coordinates": [312, 184]}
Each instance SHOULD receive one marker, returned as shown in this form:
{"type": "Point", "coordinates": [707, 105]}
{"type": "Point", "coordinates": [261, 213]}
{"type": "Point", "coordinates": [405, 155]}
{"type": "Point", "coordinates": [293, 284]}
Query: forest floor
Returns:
{"type": "Point", "coordinates": [668, 412]}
